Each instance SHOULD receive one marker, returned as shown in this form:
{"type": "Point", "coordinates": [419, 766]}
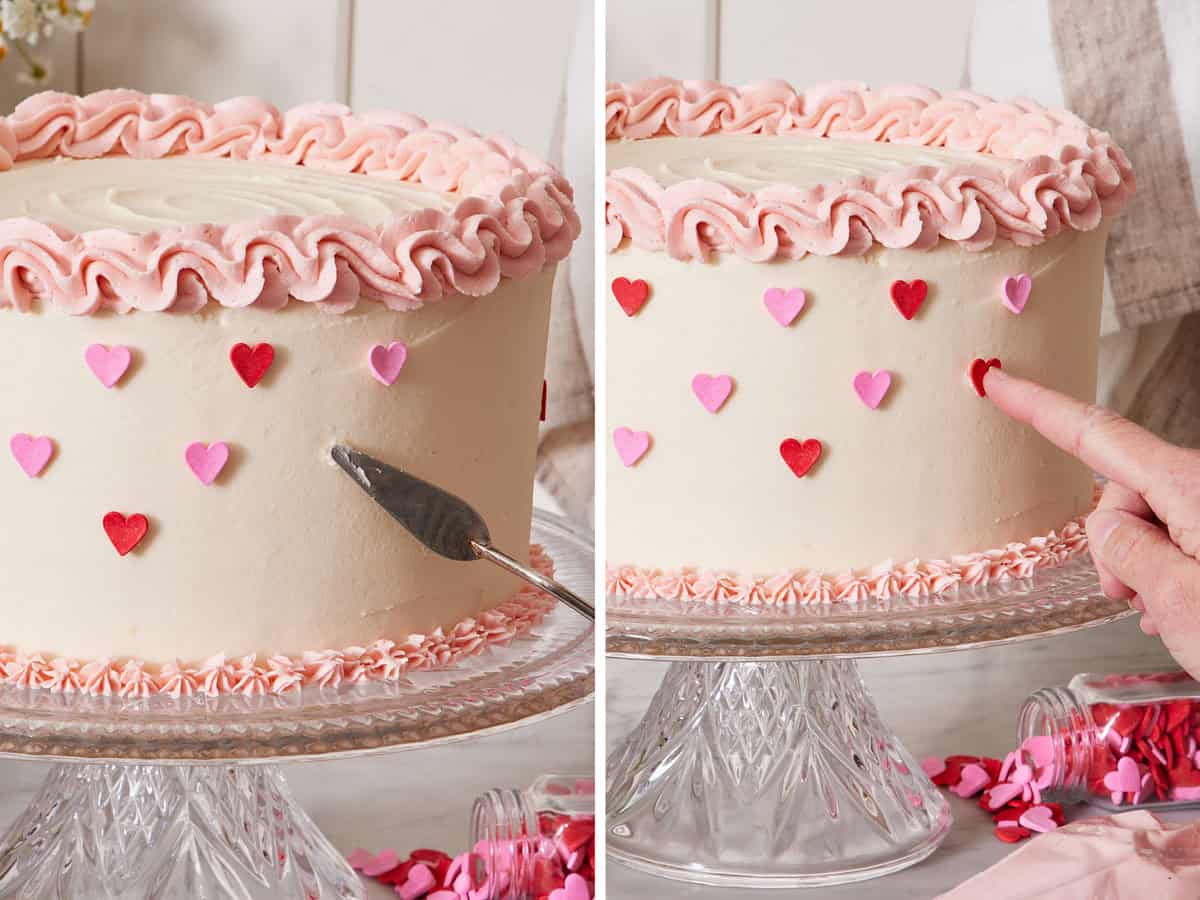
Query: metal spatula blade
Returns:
{"type": "Point", "coordinates": [444, 523]}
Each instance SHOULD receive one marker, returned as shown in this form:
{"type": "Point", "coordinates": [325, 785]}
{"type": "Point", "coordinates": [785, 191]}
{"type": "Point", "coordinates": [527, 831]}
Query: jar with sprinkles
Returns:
{"type": "Point", "coordinates": [538, 842]}
{"type": "Point", "coordinates": [1119, 741]}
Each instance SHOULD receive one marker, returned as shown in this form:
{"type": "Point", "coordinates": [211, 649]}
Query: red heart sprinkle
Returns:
{"type": "Point", "coordinates": [631, 295]}
{"type": "Point", "coordinates": [1011, 834]}
{"type": "Point", "coordinates": [1178, 712]}
{"type": "Point", "coordinates": [800, 457]}
{"type": "Point", "coordinates": [1128, 719]}
{"type": "Point", "coordinates": [907, 296]}
{"type": "Point", "coordinates": [125, 533]}
{"type": "Point", "coordinates": [252, 363]}
{"type": "Point", "coordinates": [979, 368]}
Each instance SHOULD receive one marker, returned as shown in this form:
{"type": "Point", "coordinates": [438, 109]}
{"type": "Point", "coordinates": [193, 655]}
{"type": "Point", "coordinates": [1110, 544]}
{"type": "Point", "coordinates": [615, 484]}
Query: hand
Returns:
{"type": "Point", "coordinates": [1145, 532]}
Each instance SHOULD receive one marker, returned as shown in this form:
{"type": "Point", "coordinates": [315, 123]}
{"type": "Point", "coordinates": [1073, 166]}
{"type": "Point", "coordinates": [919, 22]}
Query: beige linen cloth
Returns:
{"type": "Point", "coordinates": [566, 464]}
{"type": "Point", "coordinates": [1129, 856]}
{"type": "Point", "coordinates": [1131, 67]}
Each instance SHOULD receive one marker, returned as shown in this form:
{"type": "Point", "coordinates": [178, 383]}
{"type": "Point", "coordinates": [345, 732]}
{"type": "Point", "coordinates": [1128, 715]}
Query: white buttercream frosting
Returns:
{"type": "Point", "coordinates": [143, 195]}
{"type": "Point", "coordinates": [751, 162]}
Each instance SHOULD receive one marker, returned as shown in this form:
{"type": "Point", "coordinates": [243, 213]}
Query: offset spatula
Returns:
{"type": "Point", "coordinates": [444, 523]}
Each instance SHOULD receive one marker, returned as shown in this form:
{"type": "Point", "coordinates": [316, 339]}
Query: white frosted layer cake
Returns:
{"type": "Point", "coordinates": [197, 303]}
{"type": "Point", "coordinates": [806, 289]}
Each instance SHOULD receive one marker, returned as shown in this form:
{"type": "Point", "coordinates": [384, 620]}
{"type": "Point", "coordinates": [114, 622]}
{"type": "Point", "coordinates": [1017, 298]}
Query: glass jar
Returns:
{"type": "Point", "coordinates": [529, 842]}
{"type": "Point", "coordinates": [1120, 741]}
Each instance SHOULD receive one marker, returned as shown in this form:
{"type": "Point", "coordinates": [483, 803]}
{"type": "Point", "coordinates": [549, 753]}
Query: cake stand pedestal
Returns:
{"type": "Point", "coordinates": [763, 761]}
{"type": "Point", "coordinates": [166, 798]}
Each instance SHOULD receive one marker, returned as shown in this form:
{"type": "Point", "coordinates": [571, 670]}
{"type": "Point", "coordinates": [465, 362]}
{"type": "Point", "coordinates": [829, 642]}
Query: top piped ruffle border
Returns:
{"type": "Point", "coordinates": [516, 215]}
{"type": "Point", "coordinates": [1051, 171]}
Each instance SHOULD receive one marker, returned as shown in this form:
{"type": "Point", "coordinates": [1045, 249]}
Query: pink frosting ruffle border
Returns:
{"type": "Point", "coordinates": [1051, 171]}
{"type": "Point", "coordinates": [799, 587]}
{"type": "Point", "coordinates": [383, 660]}
{"type": "Point", "coordinates": [516, 215]}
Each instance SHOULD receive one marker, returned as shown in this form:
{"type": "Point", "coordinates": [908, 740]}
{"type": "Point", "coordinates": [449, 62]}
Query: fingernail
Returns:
{"type": "Point", "coordinates": [1100, 525]}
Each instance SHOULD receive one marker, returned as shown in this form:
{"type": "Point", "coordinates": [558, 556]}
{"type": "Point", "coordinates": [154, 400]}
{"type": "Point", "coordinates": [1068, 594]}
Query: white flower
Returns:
{"type": "Point", "coordinates": [21, 20]}
{"type": "Point", "coordinates": [85, 6]}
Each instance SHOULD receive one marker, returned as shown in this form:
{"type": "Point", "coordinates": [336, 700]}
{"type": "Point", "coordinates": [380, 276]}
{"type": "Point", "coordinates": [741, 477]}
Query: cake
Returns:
{"type": "Point", "coordinates": [198, 302]}
{"type": "Point", "coordinates": [807, 288]}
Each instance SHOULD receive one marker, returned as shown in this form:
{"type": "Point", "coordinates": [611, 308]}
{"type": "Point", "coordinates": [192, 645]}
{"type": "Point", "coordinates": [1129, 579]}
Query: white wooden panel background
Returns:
{"type": "Point", "coordinates": [801, 41]}
{"type": "Point", "coordinates": [491, 66]}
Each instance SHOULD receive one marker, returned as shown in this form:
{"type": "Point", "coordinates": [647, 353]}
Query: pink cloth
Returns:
{"type": "Point", "coordinates": [1128, 856]}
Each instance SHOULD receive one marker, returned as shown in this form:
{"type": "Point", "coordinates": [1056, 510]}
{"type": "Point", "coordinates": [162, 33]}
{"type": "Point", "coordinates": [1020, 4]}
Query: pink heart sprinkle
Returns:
{"type": "Point", "coordinates": [1010, 760]}
{"type": "Point", "coordinates": [631, 445]}
{"type": "Point", "coordinates": [386, 362]}
{"type": "Point", "coordinates": [974, 779]}
{"type": "Point", "coordinates": [1022, 774]}
{"type": "Point", "coordinates": [420, 882]}
{"type": "Point", "coordinates": [1040, 750]}
{"type": "Point", "coordinates": [32, 454]}
{"type": "Point", "coordinates": [1145, 790]}
{"type": "Point", "coordinates": [574, 888]}
{"type": "Point", "coordinates": [1038, 818]}
{"type": "Point", "coordinates": [1001, 793]}
{"type": "Point", "coordinates": [933, 766]}
{"type": "Point", "coordinates": [871, 389]}
{"type": "Point", "coordinates": [1016, 292]}
{"type": "Point", "coordinates": [384, 862]}
{"type": "Point", "coordinates": [712, 390]}
{"type": "Point", "coordinates": [206, 461]}
{"type": "Point", "coordinates": [1185, 793]}
{"type": "Point", "coordinates": [1126, 778]}
{"type": "Point", "coordinates": [108, 364]}
{"type": "Point", "coordinates": [359, 858]}
{"type": "Point", "coordinates": [783, 305]}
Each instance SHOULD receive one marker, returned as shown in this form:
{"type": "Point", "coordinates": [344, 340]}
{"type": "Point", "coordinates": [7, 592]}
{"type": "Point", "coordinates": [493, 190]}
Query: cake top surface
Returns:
{"type": "Point", "coordinates": [752, 162]}
{"type": "Point", "coordinates": [144, 195]}
{"type": "Point", "coordinates": [160, 195]}
{"type": "Point", "coordinates": [840, 167]}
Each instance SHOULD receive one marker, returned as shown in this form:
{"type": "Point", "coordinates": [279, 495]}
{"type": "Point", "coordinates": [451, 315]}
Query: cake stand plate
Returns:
{"type": "Point", "coordinates": [763, 762]}
{"type": "Point", "coordinates": [184, 798]}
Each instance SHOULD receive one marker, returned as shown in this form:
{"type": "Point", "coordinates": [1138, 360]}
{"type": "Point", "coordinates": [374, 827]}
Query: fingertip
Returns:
{"type": "Point", "coordinates": [1148, 626]}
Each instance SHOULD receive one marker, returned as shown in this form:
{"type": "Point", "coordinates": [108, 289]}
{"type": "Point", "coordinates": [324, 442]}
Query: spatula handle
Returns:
{"type": "Point", "coordinates": [549, 585]}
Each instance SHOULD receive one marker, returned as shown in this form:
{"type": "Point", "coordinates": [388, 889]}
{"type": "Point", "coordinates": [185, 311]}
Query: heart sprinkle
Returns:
{"type": "Point", "coordinates": [108, 364]}
{"type": "Point", "coordinates": [907, 296]}
{"type": "Point", "coordinates": [631, 295]}
{"type": "Point", "coordinates": [631, 445]}
{"type": "Point", "coordinates": [712, 390]}
{"type": "Point", "coordinates": [1150, 754]}
{"type": "Point", "coordinates": [560, 856]}
{"type": "Point", "coordinates": [978, 369]}
{"type": "Point", "coordinates": [386, 362]}
{"type": "Point", "coordinates": [125, 533]}
{"type": "Point", "coordinates": [800, 456]}
{"type": "Point", "coordinates": [31, 453]}
{"type": "Point", "coordinates": [252, 363]}
{"type": "Point", "coordinates": [206, 460]}
{"type": "Point", "coordinates": [872, 388]}
{"type": "Point", "coordinates": [785, 306]}
{"type": "Point", "coordinates": [1015, 293]}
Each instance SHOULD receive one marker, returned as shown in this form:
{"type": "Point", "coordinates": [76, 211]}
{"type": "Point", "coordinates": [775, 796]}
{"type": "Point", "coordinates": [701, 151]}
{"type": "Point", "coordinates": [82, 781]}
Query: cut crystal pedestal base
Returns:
{"type": "Point", "coordinates": [120, 832]}
{"type": "Point", "coordinates": [768, 774]}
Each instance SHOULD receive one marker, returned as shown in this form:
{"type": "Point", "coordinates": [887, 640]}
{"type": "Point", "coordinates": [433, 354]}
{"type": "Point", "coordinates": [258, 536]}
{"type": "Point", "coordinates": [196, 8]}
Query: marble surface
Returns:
{"type": "Point", "coordinates": [963, 702]}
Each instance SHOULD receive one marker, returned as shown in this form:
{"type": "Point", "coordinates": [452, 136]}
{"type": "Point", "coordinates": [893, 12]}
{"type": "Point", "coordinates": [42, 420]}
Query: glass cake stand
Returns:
{"type": "Point", "coordinates": [165, 798]}
{"type": "Point", "coordinates": [762, 760]}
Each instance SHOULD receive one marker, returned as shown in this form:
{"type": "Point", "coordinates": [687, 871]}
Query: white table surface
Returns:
{"type": "Point", "coordinates": [941, 704]}
{"type": "Point", "coordinates": [405, 800]}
